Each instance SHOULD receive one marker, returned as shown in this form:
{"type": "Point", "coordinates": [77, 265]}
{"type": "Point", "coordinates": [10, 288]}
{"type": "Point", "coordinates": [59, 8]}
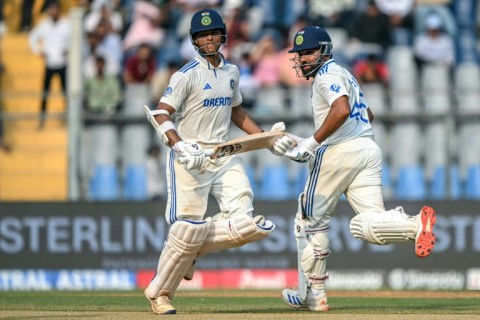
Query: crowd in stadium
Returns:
{"type": "Point", "coordinates": [142, 43]}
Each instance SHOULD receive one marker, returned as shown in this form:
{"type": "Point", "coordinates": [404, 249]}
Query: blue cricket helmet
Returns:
{"type": "Point", "coordinates": [312, 37]}
{"type": "Point", "coordinates": [205, 20]}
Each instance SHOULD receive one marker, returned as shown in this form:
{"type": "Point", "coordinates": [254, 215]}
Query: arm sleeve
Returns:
{"type": "Point", "coordinates": [34, 38]}
{"type": "Point", "coordinates": [237, 96]}
{"type": "Point", "coordinates": [176, 91]}
{"type": "Point", "coordinates": [331, 88]}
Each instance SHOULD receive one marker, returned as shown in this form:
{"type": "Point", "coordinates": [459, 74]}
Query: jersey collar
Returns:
{"type": "Point", "coordinates": [204, 62]}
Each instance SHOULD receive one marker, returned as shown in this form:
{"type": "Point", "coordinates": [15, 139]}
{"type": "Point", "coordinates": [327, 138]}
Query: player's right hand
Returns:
{"type": "Point", "coordinates": [304, 150]}
{"type": "Point", "coordinates": [282, 145]}
{"type": "Point", "coordinates": [191, 155]}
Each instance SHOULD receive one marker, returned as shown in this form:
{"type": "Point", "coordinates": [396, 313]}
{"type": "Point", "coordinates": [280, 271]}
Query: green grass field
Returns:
{"type": "Point", "coordinates": [238, 304]}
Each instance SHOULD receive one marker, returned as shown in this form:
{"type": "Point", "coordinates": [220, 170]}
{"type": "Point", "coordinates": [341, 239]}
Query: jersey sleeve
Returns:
{"type": "Point", "coordinates": [332, 87]}
{"type": "Point", "coordinates": [176, 91]}
{"type": "Point", "coordinates": [237, 96]}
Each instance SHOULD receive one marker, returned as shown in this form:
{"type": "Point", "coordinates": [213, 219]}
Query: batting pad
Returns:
{"type": "Point", "coordinates": [313, 251]}
{"type": "Point", "coordinates": [235, 231]}
{"type": "Point", "coordinates": [183, 241]}
{"type": "Point", "coordinates": [384, 227]}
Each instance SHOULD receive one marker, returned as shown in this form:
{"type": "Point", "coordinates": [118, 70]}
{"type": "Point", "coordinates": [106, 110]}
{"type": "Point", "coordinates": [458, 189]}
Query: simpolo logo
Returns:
{"type": "Point", "coordinates": [299, 39]}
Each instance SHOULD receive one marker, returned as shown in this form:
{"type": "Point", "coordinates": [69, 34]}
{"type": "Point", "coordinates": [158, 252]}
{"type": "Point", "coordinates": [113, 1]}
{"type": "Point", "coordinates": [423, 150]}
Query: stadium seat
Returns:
{"type": "Point", "coordinates": [468, 146]}
{"type": "Point", "coordinates": [472, 184]}
{"type": "Point", "coordinates": [136, 138]}
{"type": "Point", "coordinates": [135, 186]}
{"type": "Point", "coordinates": [387, 184]}
{"type": "Point", "coordinates": [270, 101]}
{"type": "Point", "coordinates": [404, 102]}
{"type": "Point", "coordinates": [105, 144]}
{"type": "Point", "coordinates": [406, 145]}
{"type": "Point", "coordinates": [104, 183]}
{"type": "Point", "coordinates": [436, 151]}
{"type": "Point", "coordinates": [410, 183]}
{"type": "Point", "coordinates": [438, 185]}
{"type": "Point", "coordinates": [136, 96]}
{"type": "Point", "coordinates": [467, 87]}
{"type": "Point", "coordinates": [376, 97]}
{"type": "Point", "coordinates": [300, 179]}
{"type": "Point", "coordinates": [435, 84]}
{"type": "Point", "coordinates": [456, 188]}
{"type": "Point", "coordinates": [252, 178]}
{"type": "Point", "coordinates": [300, 104]}
{"type": "Point", "coordinates": [274, 183]}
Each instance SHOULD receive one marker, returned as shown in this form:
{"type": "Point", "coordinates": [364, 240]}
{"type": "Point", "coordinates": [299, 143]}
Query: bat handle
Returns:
{"type": "Point", "coordinates": [208, 153]}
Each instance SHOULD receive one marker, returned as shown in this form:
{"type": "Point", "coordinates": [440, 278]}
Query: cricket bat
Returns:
{"type": "Point", "coordinates": [246, 143]}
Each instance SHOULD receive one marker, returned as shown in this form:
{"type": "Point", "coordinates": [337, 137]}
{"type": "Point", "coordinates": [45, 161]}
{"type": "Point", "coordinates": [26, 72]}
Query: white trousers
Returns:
{"type": "Point", "coordinates": [354, 168]}
{"type": "Point", "coordinates": [225, 179]}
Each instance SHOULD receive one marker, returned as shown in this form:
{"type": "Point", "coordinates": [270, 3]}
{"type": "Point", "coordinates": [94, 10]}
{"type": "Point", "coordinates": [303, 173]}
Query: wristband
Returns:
{"type": "Point", "coordinates": [311, 143]}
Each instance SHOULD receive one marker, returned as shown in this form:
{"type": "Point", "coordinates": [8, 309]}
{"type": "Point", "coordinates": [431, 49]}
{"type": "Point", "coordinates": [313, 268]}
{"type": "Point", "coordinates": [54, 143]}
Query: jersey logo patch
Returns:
{"type": "Point", "coordinates": [335, 88]}
{"type": "Point", "coordinates": [207, 86]}
{"type": "Point", "coordinates": [167, 91]}
{"type": "Point", "coordinates": [232, 83]}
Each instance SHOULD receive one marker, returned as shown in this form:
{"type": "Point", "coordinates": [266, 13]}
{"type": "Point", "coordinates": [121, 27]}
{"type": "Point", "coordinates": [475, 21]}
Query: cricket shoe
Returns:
{"type": "Point", "coordinates": [425, 238]}
{"type": "Point", "coordinates": [292, 298]}
{"type": "Point", "coordinates": [161, 305]}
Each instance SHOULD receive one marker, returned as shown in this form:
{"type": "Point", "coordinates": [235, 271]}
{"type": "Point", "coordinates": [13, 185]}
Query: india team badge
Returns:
{"type": "Point", "coordinates": [299, 38]}
{"type": "Point", "coordinates": [206, 20]}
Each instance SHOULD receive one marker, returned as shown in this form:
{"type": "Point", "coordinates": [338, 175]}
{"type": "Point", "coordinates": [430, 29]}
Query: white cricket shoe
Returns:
{"type": "Point", "coordinates": [161, 305]}
{"type": "Point", "coordinates": [292, 298]}
{"type": "Point", "coordinates": [425, 238]}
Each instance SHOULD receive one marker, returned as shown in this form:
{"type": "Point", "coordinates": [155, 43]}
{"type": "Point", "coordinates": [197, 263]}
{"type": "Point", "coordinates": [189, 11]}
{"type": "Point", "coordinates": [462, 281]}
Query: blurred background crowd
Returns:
{"type": "Point", "coordinates": [416, 61]}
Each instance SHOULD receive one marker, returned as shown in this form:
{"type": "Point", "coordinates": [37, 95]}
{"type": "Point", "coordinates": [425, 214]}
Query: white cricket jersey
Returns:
{"type": "Point", "coordinates": [331, 82]}
{"type": "Point", "coordinates": [203, 97]}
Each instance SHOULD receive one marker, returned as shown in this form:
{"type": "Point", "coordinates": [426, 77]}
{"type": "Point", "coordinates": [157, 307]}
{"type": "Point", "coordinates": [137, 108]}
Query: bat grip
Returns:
{"type": "Point", "coordinates": [209, 152]}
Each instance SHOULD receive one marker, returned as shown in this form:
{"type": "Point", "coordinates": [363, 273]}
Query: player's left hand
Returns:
{"type": "Point", "coordinates": [304, 151]}
{"type": "Point", "coordinates": [191, 155]}
{"type": "Point", "coordinates": [279, 126]}
{"type": "Point", "coordinates": [280, 146]}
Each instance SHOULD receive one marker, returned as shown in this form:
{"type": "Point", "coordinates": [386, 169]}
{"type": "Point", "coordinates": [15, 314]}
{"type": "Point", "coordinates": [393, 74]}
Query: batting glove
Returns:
{"type": "Point", "coordinates": [279, 126]}
{"type": "Point", "coordinates": [191, 155]}
{"type": "Point", "coordinates": [282, 146]}
{"type": "Point", "coordinates": [304, 150]}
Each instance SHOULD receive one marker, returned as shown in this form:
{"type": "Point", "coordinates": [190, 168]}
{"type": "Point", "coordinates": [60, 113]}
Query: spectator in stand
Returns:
{"type": "Point", "coordinates": [27, 16]}
{"type": "Point", "coordinates": [109, 41]}
{"type": "Point", "coordinates": [288, 76]}
{"type": "Point", "coordinates": [51, 39]}
{"type": "Point", "coordinates": [161, 78]}
{"type": "Point", "coordinates": [265, 59]}
{"type": "Point", "coordinates": [103, 92]}
{"type": "Point", "coordinates": [103, 10]}
{"type": "Point", "coordinates": [372, 26]}
{"type": "Point", "coordinates": [145, 27]}
{"type": "Point", "coordinates": [331, 13]}
{"type": "Point", "coordinates": [140, 67]}
{"type": "Point", "coordinates": [371, 69]}
{"type": "Point", "coordinates": [434, 45]}
{"type": "Point", "coordinates": [3, 145]}
{"type": "Point", "coordinates": [401, 19]}
{"type": "Point", "coordinates": [91, 51]}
